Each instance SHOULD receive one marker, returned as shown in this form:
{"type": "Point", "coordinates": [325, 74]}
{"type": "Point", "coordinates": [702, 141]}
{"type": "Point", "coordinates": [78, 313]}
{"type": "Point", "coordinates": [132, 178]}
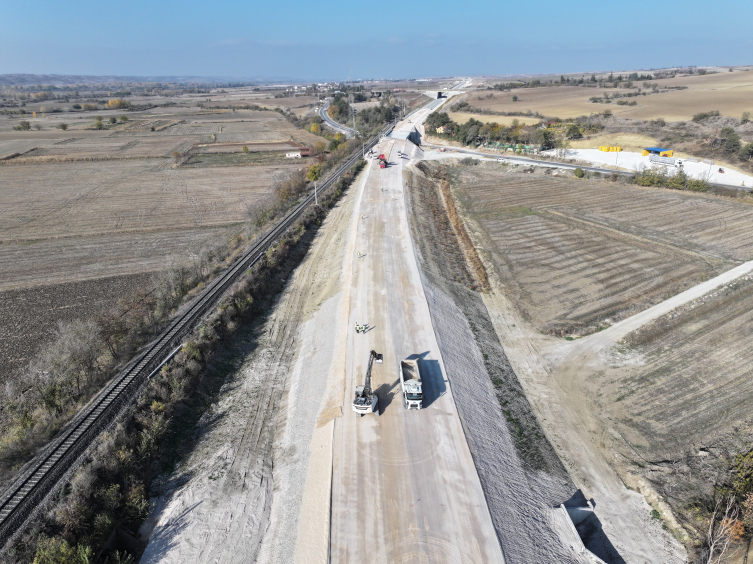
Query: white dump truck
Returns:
{"type": "Point", "coordinates": [410, 380]}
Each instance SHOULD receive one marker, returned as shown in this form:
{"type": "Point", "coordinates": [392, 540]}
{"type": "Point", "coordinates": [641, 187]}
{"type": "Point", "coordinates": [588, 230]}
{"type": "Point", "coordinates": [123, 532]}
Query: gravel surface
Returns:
{"type": "Point", "coordinates": [237, 497]}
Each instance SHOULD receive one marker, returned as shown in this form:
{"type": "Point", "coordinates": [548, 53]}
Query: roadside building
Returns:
{"type": "Point", "coordinates": [293, 155]}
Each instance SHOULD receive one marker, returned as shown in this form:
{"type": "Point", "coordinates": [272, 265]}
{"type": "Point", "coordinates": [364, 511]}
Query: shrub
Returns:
{"type": "Point", "coordinates": [515, 98]}
{"type": "Point", "coordinates": [245, 149]}
{"type": "Point", "coordinates": [63, 126]}
{"type": "Point", "coordinates": [705, 115]}
{"type": "Point", "coordinates": [574, 132]}
{"type": "Point", "coordinates": [113, 119]}
{"type": "Point", "coordinates": [469, 161]}
{"type": "Point", "coordinates": [578, 172]}
{"type": "Point", "coordinates": [123, 118]}
{"type": "Point", "coordinates": [677, 181]}
{"type": "Point", "coordinates": [58, 551]}
{"type": "Point", "coordinates": [746, 152]}
{"type": "Point", "coordinates": [76, 106]}
{"type": "Point", "coordinates": [731, 143]}
{"type": "Point", "coordinates": [23, 126]}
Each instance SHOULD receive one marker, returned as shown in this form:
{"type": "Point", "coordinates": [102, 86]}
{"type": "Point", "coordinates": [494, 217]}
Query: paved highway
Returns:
{"type": "Point", "coordinates": [404, 485]}
{"type": "Point", "coordinates": [347, 131]}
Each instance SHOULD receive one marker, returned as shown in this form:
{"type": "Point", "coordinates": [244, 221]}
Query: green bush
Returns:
{"type": "Point", "coordinates": [662, 179]}
{"type": "Point", "coordinates": [704, 115]}
{"type": "Point", "coordinates": [574, 132]}
{"type": "Point", "coordinates": [58, 551]}
{"type": "Point", "coordinates": [578, 172]}
{"type": "Point", "coordinates": [746, 152]}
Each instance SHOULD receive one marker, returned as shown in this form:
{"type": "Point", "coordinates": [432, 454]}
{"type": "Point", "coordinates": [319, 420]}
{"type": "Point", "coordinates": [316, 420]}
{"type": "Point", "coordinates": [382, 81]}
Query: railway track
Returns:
{"type": "Point", "coordinates": [41, 477]}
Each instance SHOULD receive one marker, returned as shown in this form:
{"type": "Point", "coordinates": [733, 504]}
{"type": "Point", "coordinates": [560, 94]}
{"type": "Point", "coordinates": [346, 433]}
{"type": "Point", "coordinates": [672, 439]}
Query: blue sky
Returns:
{"type": "Point", "coordinates": [403, 38]}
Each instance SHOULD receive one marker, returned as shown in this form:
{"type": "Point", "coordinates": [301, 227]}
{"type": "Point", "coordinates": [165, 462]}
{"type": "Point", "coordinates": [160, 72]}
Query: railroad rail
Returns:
{"type": "Point", "coordinates": [31, 489]}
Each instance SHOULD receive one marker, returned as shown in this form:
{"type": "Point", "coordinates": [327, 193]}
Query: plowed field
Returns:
{"type": "Point", "coordinates": [577, 256]}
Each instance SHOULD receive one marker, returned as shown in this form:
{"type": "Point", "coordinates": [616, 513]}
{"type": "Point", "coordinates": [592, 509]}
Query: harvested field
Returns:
{"type": "Point", "coordinates": [30, 315]}
{"type": "Point", "coordinates": [66, 259]}
{"type": "Point", "coordinates": [690, 372]}
{"type": "Point", "coordinates": [238, 147]}
{"type": "Point", "coordinates": [729, 92]}
{"type": "Point", "coordinates": [577, 256]}
{"type": "Point", "coordinates": [239, 158]}
{"type": "Point", "coordinates": [86, 215]}
{"type": "Point", "coordinates": [462, 117]}
{"type": "Point", "coordinates": [74, 199]}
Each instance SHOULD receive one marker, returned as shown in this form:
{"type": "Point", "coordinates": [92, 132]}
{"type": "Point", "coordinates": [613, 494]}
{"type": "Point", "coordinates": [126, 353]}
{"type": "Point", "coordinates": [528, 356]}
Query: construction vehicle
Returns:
{"type": "Point", "coordinates": [410, 380]}
{"type": "Point", "coordinates": [366, 401]}
{"type": "Point", "coordinates": [382, 162]}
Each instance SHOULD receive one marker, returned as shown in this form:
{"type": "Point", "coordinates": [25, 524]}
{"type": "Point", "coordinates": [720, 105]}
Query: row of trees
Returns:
{"type": "Point", "coordinates": [475, 132]}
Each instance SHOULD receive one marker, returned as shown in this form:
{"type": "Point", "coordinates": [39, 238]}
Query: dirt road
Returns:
{"type": "Point", "coordinates": [404, 486]}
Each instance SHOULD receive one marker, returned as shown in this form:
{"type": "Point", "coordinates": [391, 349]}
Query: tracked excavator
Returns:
{"type": "Point", "coordinates": [366, 401]}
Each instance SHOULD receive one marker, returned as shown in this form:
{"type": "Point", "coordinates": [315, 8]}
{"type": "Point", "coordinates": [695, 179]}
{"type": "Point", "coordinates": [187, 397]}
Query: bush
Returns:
{"type": "Point", "coordinates": [746, 152]}
{"type": "Point", "coordinates": [574, 132]}
{"type": "Point", "coordinates": [705, 115]}
{"type": "Point", "coordinates": [58, 551]}
{"type": "Point", "coordinates": [661, 178]}
{"type": "Point", "coordinates": [731, 143]}
{"type": "Point", "coordinates": [578, 172]}
{"type": "Point", "coordinates": [515, 98]}
{"type": "Point", "coordinates": [63, 126]}
{"type": "Point", "coordinates": [113, 119]}
{"type": "Point", "coordinates": [469, 161]}
{"type": "Point", "coordinates": [23, 126]}
{"type": "Point", "coordinates": [76, 106]}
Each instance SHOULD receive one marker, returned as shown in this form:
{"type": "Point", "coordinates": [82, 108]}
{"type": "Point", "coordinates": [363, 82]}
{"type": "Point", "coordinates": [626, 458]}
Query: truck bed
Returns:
{"type": "Point", "coordinates": [410, 370]}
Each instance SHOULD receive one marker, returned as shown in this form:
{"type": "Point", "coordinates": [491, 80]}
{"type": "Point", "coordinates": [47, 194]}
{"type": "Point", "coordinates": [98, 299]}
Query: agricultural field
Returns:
{"type": "Point", "coordinates": [729, 92]}
{"type": "Point", "coordinates": [576, 256]}
{"type": "Point", "coordinates": [87, 212]}
{"type": "Point", "coordinates": [690, 372]}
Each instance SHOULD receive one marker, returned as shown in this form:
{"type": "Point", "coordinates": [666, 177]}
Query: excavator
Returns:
{"type": "Point", "coordinates": [366, 401]}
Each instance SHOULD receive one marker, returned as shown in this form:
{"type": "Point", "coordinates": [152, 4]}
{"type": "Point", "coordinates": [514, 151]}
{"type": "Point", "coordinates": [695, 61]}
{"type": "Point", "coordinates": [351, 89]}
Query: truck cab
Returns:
{"type": "Point", "coordinates": [412, 385]}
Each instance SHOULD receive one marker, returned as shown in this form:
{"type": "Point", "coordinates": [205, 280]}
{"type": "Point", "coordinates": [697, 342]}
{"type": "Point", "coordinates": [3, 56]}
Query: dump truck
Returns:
{"type": "Point", "coordinates": [410, 381]}
{"type": "Point", "coordinates": [382, 161]}
{"type": "Point", "coordinates": [366, 401]}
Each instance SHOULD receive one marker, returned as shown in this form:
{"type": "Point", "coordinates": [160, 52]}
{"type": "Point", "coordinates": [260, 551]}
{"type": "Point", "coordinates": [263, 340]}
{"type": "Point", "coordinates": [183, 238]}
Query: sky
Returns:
{"type": "Point", "coordinates": [327, 40]}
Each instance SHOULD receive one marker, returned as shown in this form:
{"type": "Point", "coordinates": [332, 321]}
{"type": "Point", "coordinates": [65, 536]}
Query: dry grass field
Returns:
{"type": "Point", "coordinates": [92, 198]}
{"type": "Point", "coordinates": [462, 117]}
{"type": "Point", "coordinates": [729, 92]}
{"type": "Point", "coordinates": [576, 256]}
